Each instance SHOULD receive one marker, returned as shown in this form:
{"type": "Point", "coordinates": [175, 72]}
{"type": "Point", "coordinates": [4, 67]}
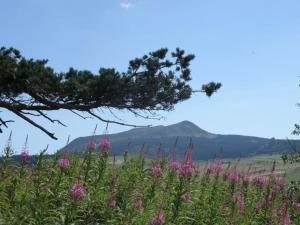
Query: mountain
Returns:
{"type": "Point", "coordinates": [205, 144]}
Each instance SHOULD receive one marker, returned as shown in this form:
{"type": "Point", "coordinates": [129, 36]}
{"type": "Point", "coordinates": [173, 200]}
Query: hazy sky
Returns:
{"type": "Point", "coordinates": [252, 47]}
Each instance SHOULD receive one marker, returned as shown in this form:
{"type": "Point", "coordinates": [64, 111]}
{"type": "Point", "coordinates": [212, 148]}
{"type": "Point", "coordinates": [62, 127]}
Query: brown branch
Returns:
{"type": "Point", "coordinates": [32, 122]}
{"type": "Point", "coordinates": [115, 122]}
{"type": "Point", "coordinates": [51, 120]}
{"type": "Point", "coordinates": [4, 122]}
{"type": "Point", "coordinates": [81, 116]}
{"type": "Point", "coordinates": [114, 115]}
{"type": "Point", "coordinates": [30, 113]}
{"type": "Point", "coordinates": [144, 117]}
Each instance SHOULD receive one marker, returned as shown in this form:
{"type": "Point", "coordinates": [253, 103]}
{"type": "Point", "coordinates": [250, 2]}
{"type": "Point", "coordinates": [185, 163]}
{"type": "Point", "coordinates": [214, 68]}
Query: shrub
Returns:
{"type": "Point", "coordinates": [69, 189]}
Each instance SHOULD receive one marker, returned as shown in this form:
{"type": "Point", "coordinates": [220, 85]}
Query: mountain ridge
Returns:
{"type": "Point", "coordinates": [206, 144]}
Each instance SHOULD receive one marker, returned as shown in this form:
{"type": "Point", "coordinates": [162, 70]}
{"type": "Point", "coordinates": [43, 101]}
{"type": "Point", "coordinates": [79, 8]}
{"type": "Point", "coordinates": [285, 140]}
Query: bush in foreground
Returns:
{"type": "Point", "coordinates": [68, 189]}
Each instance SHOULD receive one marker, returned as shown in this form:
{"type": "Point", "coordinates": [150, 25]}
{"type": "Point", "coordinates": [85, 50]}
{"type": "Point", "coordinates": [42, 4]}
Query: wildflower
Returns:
{"type": "Point", "coordinates": [158, 219]}
{"type": "Point", "coordinates": [276, 188]}
{"type": "Point", "coordinates": [215, 168]}
{"type": "Point", "coordinates": [156, 171]}
{"type": "Point", "coordinates": [77, 191]}
{"type": "Point", "coordinates": [153, 221]}
{"type": "Point", "coordinates": [63, 163]}
{"type": "Point", "coordinates": [186, 197]}
{"type": "Point", "coordinates": [112, 204]}
{"type": "Point", "coordinates": [233, 176]}
{"type": "Point", "coordinates": [186, 169]}
{"type": "Point", "coordinates": [260, 181]}
{"type": "Point", "coordinates": [92, 145]}
{"type": "Point", "coordinates": [237, 198]}
{"type": "Point", "coordinates": [161, 218]}
{"type": "Point", "coordinates": [270, 199]}
{"type": "Point", "coordinates": [138, 204]}
{"type": "Point", "coordinates": [258, 206]}
{"type": "Point", "coordinates": [286, 219]}
{"type": "Point", "coordinates": [281, 183]}
{"type": "Point", "coordinates": [24, 155]}
{"type": "Point", "coordinates": [174, 165]}
{"type": "Point", "coordinates": [105, 143]}
{"type": "Point", "coordinates": [245, 178]}
{"type": "Point", "coordinates": [297, 207]}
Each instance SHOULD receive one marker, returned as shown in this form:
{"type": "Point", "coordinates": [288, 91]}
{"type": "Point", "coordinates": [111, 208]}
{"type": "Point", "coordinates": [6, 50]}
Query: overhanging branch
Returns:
{"type": "Point", "coordinates": [155, 82]}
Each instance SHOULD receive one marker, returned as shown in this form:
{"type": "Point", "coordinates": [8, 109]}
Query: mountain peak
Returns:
{"type": "Point", "coordinates": [187, 128]}
{"type": "Point", "coordinates": [187, 124]}
{"type": "Point", "coordinates": [184, 129]}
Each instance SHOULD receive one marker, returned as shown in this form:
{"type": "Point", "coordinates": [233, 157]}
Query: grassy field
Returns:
{"type": "Point", "coordinates": [256, 165]}
{"type": "Point", "coordinates": [133, 190]}
{"type": "Point", "coordinates": [262, 165]}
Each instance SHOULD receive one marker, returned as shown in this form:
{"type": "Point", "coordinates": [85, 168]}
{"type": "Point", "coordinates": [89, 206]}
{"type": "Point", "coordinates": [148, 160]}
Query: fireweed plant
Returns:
{"type": "Point", "coordinates": [69, 189]}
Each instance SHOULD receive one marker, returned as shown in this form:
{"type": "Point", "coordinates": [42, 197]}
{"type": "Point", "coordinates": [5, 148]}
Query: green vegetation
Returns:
{"type": "Point", "coordinates": [67, 189]}
{"type": "Point", "coordinates": [263, 164]}
{"type": "Point", "coordinates": [154, 82]}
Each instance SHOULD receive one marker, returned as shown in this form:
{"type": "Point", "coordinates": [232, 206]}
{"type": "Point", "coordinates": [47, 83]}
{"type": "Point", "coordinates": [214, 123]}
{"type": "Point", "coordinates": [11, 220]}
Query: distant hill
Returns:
{"type": "Point", "coordinates": [205, 144]}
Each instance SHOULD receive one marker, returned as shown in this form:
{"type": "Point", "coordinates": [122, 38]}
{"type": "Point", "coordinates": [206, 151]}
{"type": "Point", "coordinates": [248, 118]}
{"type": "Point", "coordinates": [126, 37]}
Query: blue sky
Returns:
{"type": "Point", "coordinates": [252, 47]}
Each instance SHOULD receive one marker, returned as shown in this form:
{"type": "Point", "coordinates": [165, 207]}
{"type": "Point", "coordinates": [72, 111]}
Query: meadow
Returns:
{"type": "Point", "coordinates": [99, 189]}
{"type": "Point", "coordinates": [262, 165]}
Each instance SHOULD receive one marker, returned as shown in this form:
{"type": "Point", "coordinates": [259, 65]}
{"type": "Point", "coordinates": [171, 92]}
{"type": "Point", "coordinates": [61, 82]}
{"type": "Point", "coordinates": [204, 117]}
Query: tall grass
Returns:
{"type": "Point", "coordinates": [68, 189]}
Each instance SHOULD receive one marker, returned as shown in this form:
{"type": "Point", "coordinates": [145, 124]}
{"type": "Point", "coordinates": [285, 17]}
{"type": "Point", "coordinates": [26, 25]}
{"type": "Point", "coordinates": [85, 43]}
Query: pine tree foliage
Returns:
{"type": "Point", "coordinates": [29, 88]}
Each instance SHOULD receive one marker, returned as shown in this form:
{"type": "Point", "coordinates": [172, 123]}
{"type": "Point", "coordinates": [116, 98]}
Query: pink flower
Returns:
{"type": "Point", "coordinates": [245, 178]}
{"type": "Point", "coordinates": [258, 206]}
{"type": "Point", "coordinates": [260, 181]}
{"type": "Point", "coordinates": [269, 200]}
{"type": "Point", "coordinates": [156, 171]}
{"type": "Point", "coordinates": [286, 220]}
{"type": "Point", "coordinates": [138, 204]}
{"type": "Point", "coordinates": [237, 198]}
{"type": "Point", "coordinates": [186, 169]}
{"type": "Point", "coordinates": [161, 218]}
{"type": "Point", "coordinates": [92, 145]}
{"type": "Point", "coordinates": [158, 219]}
{"type": "Point", "coordinates": [233, 176]}
{"type": "Point", "coordinates": [63, 163]}
{"type": "Point", "coordinates": [112, 204]}
{"type": "Point", "coordinates": [297, 207]}
{"type": "Point", "coordinates": [174, 165]}
{"type": "Point", "coordinates": [281, 182]}
{"type": "Point", "coordinates": [105, 143]}
{"type": "Point", "coordinates": [152, 221]}
{"type": "Point", "coordinates": [186, 197]}
{"type": "Point", "coordinates": [77, 191]}
{"type": "Point", "coordinates": [24, 155]}
{"type": "Point", "coordinates": [215, 168]}
{"type": "Point", "coordinates": [276, 188]}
